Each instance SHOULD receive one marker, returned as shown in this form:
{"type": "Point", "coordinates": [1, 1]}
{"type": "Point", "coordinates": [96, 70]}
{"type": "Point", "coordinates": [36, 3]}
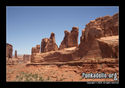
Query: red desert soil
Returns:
{"type": "Point", "coordinates": [62, 72]}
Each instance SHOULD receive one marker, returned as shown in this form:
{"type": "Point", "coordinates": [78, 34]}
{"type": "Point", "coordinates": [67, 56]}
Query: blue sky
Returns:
{"type": "Point", "coordinates": [26, 26]}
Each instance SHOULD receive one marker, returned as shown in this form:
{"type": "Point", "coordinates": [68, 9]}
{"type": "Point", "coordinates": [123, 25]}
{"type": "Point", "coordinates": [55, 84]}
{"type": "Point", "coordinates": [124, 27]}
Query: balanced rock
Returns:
{"type": "Point", "coordinates": [9, 50]}
{"type": "Point", "coordinates": [70, 38]}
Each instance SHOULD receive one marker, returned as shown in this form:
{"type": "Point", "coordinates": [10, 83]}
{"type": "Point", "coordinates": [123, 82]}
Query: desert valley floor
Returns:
{"type": "Point", "coordinates": [60, 71]}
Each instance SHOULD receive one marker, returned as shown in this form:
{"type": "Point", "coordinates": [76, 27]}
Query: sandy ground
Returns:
{"type": "Point", "coordinates": [22, 72]}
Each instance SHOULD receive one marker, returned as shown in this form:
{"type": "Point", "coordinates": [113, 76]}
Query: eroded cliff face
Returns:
{"type": "Point", "coordinates": [106, 26]}
{"type": "Point", "coordinates": [49, 44]}
{"type": "Point", "coordinates": [70, 38]}
{"type": "Point", "coordinates": [34, 51]}
{"type": "Point", "coordinates": [26, 57]}
{"type": "Point", "coordinates": [43, 44]}
{"type": "Point", "coordinates": [64, 43]}
{"type": "Point", "coordinates": [99, 40]}
{"type": "Point", "coordinates": [9, 50]}
{"type": "Point", "coordinates": [109, 46]}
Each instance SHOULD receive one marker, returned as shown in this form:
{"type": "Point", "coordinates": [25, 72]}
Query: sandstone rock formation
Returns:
{"type": "Point", "coordinates": [64, 43]}
{"type": "Point", "coordinates": [34, 51]}
{"type": "Point", "coordinates": [109, 46]}
{"type": "Point", "coordinates": [70, 38]}
{"type": "Point", "coordinates": [100, 27]}
{"type": "Point", "coordinates": [49, 44]}
{"type": "Point", "coordinates": [43, 44]}
{"type": "Point", "coordinates": [15, 53]}
{"type": "Point", "coordinates": [99, 40]}
{"type": "Point", "coordinates": [52, 56]}
{"type": "Point", "coordinates": [9, 50]}
{"type": "Point", "coordinates": [26, 57]}
{"type": "Point", "coordinates": [73, 37]}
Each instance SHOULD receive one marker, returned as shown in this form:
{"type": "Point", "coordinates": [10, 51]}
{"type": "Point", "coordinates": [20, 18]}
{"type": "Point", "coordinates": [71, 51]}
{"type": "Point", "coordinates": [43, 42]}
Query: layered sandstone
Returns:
{"type": "Point", "coordinates": [90, 46]}
{"type": "Point", "coordinates": [64, 43]}
{"type": "Point", "coordinates": [109, 46]}
{"type": "Point", "coordinates": [43, 44]}
{"type": "Point", "coordinates": [49, 44]}
{"type": "Point", "coordinates": [34, 51]}
{"type": "Point", "coordinates": [26, 57]}
{"type": "Point", "coordinates": [99, 40]}
{"type": "Point", "coordinates": [9, 50]}
{"type": "Point", "coordinates": [70, 38]}
{"type": "Point", "coordinates": [52, 56]}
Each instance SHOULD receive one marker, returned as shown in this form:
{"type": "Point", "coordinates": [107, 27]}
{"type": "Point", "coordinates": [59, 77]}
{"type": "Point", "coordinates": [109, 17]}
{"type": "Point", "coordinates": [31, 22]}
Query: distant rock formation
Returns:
{"type": "Point", "coordinates": [34, 51]}
{"type": "Point", "coordinates": [26, 57]}
{"type": "Point", "coordinates": [15, 53]}
{"type": "Point", "coordinates": [9, 50]}
{"type": "Point", "coordinates": [101, 27]}
{"type": "Point", "coordinates": [70, 38]}
{"type": "Point", "coordinates": [49, 44]}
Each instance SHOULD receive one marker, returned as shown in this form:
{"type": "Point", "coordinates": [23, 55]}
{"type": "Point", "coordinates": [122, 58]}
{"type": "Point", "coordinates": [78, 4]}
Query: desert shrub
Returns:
{"type": "Point", "coordinates": [29, 77]}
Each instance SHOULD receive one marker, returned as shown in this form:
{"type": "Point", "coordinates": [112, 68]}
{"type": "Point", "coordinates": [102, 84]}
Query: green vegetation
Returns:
{"type": "Point", "coordinates": [81, 78]}
{"type": "Point", "coordinates": [48, 78]}
{"type": "Point", "coordinates": [28, 77]}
